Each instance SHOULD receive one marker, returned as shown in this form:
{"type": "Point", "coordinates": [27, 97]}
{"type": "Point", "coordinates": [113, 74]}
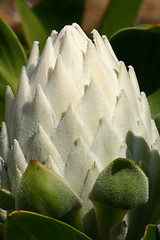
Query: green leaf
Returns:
{"type": "Point", "coordinates": [154, 102]}
{"type": "Point", "coordinates": [12, 58]}
{"type": "Point", "coordinates": [157, 121]}
{"type": "Point", "coordinates": [22, 225]}
{"type": "Point", "coordinates": [42, 190]}
{"type": "Point", "coordinates": [139, 47]}
{"type": "Point", "coordinates": [32, 25]}
{"type": "Point", "coordinates": [56, 14]}
{"type": "Point", "coordinates": [151, 233]}
{"type": "Point", "coordinates": [119, 14]}
{"type": "Point", "coordinates": [7, 200]}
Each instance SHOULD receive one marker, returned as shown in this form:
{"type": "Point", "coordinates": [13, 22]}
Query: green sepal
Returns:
{"type": "Point", "coordinates": [23, 225]}
{"type": "Point", "coordinates": [7, 200]}
{"type": "Point", "coordinates": [121, 184]}
{"type": "Point", "coordinates": [41, 190]}
{"type": "Point", "coordinates": [151, 233]}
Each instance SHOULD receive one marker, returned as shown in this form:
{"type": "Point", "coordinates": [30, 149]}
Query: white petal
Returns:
{"type": "Point", "coordinates": [33, 58]}
{"type": "Point", "coordinates": [134, 80]}
{"type": "Point", "coordinates": [110, 49]}
{"type": "Point", "coordinates": [72, 58]}
{"type": "Point", "coordinates": [39, 112]}
{"type": "Point", "coordinates": [104, 77]}
{"type": "Point", "coordinates": [4, 180]}
{"type": "Point", "coordinates": [104, 51]}
{"type": "Point", "coordinates": [106, 144]}
{"type": "Point", "coordinates": [47, 61]}
{"type": "Point", "coordinates": [22, 98]}
{"type": "Point", "coordinates": [145, 113]}
{"type": "Point", "coordinates": [18, 157]}
{"type": "Point", "coordinates": [16, 164]}
{"type": "Point", "coordinates": [42, 146]}
{"type": "Point", "coordinates": [51, 163]}
{"type": "Point", "coordinates": [93, 107]}
{"type": "Point", "coordinates": [90, 180]}
{"type": "Point", "coordinates": [125, 83]}
{"type": "Point", "coordinates": [68, 131]}
{"type": "Point", "coordinates": [54, 35]}
{"type": "Point", "coordinates": [79, 162]}
{"type": "Point", "coordinates": [8, 107]}
{"type": "Point", "coordinates": [125, 117]}
{"type": "Point", "coordinates": [61, 90]}
{"type": "Point", "coordinates": [4, 142]}
{"type": "Point", "coordinates": [82, 38]}
{"type": "Point", "coordinates": [77, 35]}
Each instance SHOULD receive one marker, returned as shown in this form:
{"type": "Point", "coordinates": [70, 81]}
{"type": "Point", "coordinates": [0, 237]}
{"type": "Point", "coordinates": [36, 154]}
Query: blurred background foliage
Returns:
{"type": "Point", "coordinates": [136, 45]}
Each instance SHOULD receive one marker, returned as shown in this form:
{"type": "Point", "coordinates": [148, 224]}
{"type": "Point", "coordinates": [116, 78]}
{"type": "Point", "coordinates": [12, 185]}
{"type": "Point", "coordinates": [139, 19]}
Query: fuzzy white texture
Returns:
{"type": "Point", "coordinates": [76, 109]}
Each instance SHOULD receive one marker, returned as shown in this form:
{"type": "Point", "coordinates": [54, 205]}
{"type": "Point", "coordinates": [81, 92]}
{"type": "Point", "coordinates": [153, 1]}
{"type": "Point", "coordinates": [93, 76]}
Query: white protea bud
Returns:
{"type": "Point", "coordinates": [77, 108]}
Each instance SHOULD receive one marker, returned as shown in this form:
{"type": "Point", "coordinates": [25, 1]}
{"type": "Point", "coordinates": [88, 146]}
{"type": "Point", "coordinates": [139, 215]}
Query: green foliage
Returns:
{"type": "Point", "coordinates": [33, 28]}
{"type": "Point", "coordinates": [22, 225]}
{"type": "Point", "coordinates": [56, 14]}
{"type": "Point", "coordinates": [119, 14]}
{"type": "Point", "coordinates": [37, 23]}
{"type": "Point", "coordinates": [154, 100]}
{"type": "Point", "coordinates": [12, 57]}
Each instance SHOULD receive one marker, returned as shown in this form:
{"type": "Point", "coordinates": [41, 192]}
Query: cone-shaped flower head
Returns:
{"type": "Point", "coordinates": [77, 108]}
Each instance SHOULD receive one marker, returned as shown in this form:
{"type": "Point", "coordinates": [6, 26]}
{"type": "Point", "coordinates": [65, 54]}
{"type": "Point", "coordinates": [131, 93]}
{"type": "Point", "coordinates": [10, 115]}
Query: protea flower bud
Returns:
{"type": "Point", "coordinates": [77, 108]}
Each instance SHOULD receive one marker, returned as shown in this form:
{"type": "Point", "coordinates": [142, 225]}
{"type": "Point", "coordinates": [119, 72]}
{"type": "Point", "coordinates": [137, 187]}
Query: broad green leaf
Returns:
{"type": "Point", "coordinates": [32, 26]}
{"type": "Point", "coordinates": [23, 225]}
{"type": "Point", "coordinates": [42, 190]}
{"type": "Point", "coordinates": [154, 102]}
{"type": "Point", "coordinates": [56, 14]}
{"type": "Point", "coordinates": [151, 233]}
{"type": "Point", "coordinates": [12, 58]}
{"type": "Point", "coordinates": [140, 47]}
{"type": "Point", "coordinates": [7, 200]}
{"type": "Point", "coordinates": [119, 14]}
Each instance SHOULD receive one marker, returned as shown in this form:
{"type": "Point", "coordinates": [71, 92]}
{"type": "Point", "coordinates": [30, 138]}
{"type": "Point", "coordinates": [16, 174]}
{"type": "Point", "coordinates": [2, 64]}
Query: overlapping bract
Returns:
{"type": "Point", "coordinates": [77, 108]}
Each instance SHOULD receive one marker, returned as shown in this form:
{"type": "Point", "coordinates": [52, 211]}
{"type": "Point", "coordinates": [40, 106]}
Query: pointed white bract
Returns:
{"type": "Point", "coordinates": [77, 108]}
